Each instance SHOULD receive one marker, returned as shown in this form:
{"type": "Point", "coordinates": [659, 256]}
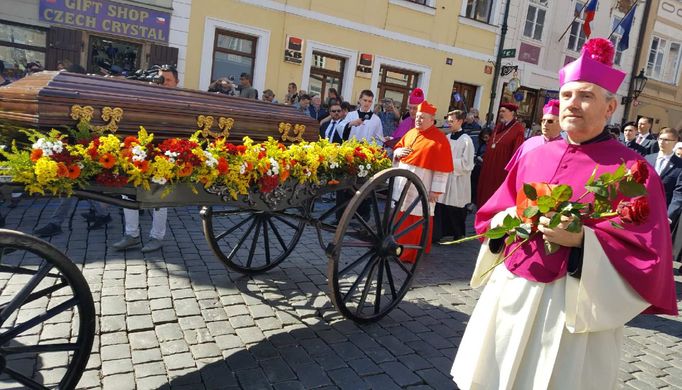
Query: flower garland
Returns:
{"type": "Point", "coordinates": [55, 166]}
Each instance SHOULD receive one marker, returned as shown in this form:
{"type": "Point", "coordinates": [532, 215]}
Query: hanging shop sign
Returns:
{"type": "Point", "coordinates": [108, 17]}
{"type": "Point", "coordinates": [294, 50]}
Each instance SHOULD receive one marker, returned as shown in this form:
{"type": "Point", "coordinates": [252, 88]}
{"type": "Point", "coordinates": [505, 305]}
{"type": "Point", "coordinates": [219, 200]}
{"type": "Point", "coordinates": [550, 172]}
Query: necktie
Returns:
{"type": "Point", "coordinates": [330, 130]}
{"type": "Point", "coordinates": [660, 162]}
{"type": "Point", "coordinates": [640, 138]}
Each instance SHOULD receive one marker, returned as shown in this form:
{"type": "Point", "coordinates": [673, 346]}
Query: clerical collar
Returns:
{"type": "Point", "coordinates": [365, 115]}
{"type": "Point", "coordinates": [456, 134]}
{"type": "Point", "coordinates": [603, 136]}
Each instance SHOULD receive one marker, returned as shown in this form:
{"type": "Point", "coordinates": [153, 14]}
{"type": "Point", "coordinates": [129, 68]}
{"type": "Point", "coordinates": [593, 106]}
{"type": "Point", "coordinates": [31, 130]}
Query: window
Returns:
{"type": "Point", "coordinates": [105, 52]}
{"type": "Point", "coordinates": [535, 19]}
{"type": "Point", "coordinates": [664, 60]}
{"type": "Point", "coordinates": [577, 37]}
{"type": "Point", "coordinates": [462, 96]}
{"type": "Point", "coordinates": [480, 10]}
{"type": "Point", "coordinates": [396, 84]}
{"type": "Point", "coordinates": [20, 45]}
{"type": "Point", "coordinates": [326, 72]}
{"type": "Point", "coordinates": [428, 3]}
{"type": "Point", "coordinates": [615, 39]}
{"type": "Point", "coordinates": [233, 54]}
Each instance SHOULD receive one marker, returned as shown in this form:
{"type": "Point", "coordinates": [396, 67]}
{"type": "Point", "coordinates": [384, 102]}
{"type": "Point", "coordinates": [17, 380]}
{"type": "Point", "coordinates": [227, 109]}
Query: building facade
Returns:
{"type": "Point", "coordinates": [390, 47]}
{"type": "Point", "coordinates": [544, 35]}
{"type": "Point", "coordinates": [99, 35]}
{"type": "Point", "coordinates": [661, 99]}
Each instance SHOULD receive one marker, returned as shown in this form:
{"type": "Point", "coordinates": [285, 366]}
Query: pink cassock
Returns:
{"type": "Point", "coordinates": [406, 125]}
{"type": "Point", "coordinates": [642, 254]}
{"type": "Point", "coordinates": [528, 145]}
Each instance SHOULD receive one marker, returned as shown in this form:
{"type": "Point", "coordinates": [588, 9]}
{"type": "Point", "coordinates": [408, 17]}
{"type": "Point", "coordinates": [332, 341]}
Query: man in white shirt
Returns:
{"type": "Point", "coordinates": [363, 123]}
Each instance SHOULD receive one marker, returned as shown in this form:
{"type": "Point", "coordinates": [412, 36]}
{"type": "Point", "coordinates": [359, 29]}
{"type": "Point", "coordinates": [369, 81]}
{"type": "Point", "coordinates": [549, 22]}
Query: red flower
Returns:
{"type": "Point", "coordinates": [130, 140]}
{"type": "Point", "coordinates": [241, 149]}
{"type": "Point", "coordinates": [522, 201]}
{"type": "Point", "coordinates": [62, 170]}
{"type": "Point", "coordinates": [143, 165]}
{"type": "Point", "coordinates": [36, 154]}
{"type": "Point", "coordinates": [186, 170]}
{"type": "Point", "coordinates": [268, 183]}
{"type": "Point", "coordinates": [107, 160]}
{"type": "Point", "coordinates": [74, 172]}
{"type": "Point", "coordinates": [639, 171]}
{"type": "Point", "coordinates": [635, 211]}
{"type": "Point", "coordinates": [223, 166]}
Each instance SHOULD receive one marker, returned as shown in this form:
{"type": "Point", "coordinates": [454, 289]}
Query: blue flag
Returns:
{"type": "Point", "coordinates": [626, 25]}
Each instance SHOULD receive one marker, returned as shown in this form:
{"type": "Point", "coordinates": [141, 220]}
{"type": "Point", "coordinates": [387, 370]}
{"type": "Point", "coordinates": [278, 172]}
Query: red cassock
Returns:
{"type": "Point", "coordinates": [500, 148]}
{"type": "Point", "coordinates": [430, 151]}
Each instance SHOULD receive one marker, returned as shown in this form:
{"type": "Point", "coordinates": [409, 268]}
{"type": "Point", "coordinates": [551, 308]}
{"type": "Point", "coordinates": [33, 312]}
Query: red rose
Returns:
{"type": "Point", "coordinates": [223, 166]}
{"type": "Point", "coordinates": [639, 171]}
{"type": "Point", "coordinates": [636, 211]}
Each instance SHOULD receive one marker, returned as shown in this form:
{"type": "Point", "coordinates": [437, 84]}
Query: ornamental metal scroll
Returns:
{"type": "Point", "coordinates": [84, 114]}
{"type": "Point", "coordinates": [205, 123]}
{"type": "Point", "coordinates": [297, 130]}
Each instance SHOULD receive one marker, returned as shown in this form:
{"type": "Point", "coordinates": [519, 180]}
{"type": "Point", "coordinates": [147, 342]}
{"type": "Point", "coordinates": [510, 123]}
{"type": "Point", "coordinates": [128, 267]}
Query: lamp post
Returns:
{"type": "Point", "coordinates": [638, 84]}
{"type": "Point", "coordinates": [498, 65]}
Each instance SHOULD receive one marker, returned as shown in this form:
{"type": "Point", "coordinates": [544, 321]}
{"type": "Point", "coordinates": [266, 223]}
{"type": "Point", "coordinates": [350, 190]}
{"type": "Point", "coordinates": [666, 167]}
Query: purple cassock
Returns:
{"type": "Point", "coordinates": [530, 144]}
{"type": "Point", "coordinates": [641, 254]}
{"type": "Point", "coordinates": [406, 125]}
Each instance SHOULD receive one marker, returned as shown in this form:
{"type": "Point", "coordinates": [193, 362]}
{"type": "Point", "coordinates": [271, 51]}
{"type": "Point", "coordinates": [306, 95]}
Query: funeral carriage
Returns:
{"type": "Point", "coordinates": [252, 232]}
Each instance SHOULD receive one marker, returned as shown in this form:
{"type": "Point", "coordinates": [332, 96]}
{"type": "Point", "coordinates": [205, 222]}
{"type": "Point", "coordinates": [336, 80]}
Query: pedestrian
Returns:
{"type": "Point", "coordinates": [505, 139]}
{"type": "Point", "coordinates": [303, 104]}
{"type": "Point", "coordinates": [316, 111]}
{"type": "Point", "coordinates": [363, 124]}
{"type": "Point", "coordinates": [425, 151]}
{"type": "Point", "coordinates": [269, 96]}
{"type": "Point", "coordinates": [645, 137]}
{"type": "Point", "coordinates": [630, 138]}
{"type": "Point", "coordinates": [245, 88]}
{"type": "Point", "coordinates": [481, 145]}
{"type": "Point", "coordinates": [407, 123]}
{"type": "Point", "coordinates": [449, 220]}
{"type": "Point", "coordinates": [332, 95]}
{"type": "Point", "coordinates": [666, 163]}
{"type": "Point", "coordinates": [291, 98]}
{"type": "Point", "coordinates": [328, 130]}
{"type": "Point", "coordinates": [97, 217]}
{"type": "Point", "coordinates": [389, 116]}
{"type": "Point", "coordinates": [555, 321]}
{"type": "Point", "coordinates": [551, 131]}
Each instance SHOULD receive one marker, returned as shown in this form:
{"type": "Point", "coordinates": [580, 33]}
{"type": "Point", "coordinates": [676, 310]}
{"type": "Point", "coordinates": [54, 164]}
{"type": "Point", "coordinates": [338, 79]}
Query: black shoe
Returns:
{"type": "Point", "coordinates": [100, 222]}
{"type": "Point", "coordinates": [48, 230]}
{"type": "Point", "coordinates": [90, 216]}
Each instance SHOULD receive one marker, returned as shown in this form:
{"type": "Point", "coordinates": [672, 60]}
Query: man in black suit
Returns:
{"type": "Point", "coordinates": [669, 168]}
{"type": "Point", "coordinates": [329, 130]}
{"type": "Point", "coordinates": [645, 138]}
{"type": "Point", "coordinates": [630, 138]}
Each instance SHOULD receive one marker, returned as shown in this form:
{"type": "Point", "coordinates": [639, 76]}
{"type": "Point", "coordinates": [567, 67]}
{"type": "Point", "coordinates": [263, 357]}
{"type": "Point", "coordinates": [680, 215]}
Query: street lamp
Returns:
{"type": "Point", "coordinates": [638, 84]}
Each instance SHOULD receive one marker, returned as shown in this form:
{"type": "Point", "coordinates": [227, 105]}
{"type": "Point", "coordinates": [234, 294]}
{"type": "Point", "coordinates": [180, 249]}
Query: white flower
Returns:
{"type": "Point", "coordinates": [242, 168]}
{"type": "Point", "coordinates": [159, 180]}
{"type": "Point", "coordinates": [274, 167]}
{"type": "Point", "coordinates": [334, 165]}
{"type": "Point", "coordinates": [80, 165]}
{"type": "Point", "coordinates": [139, 153]}
{"type": "Point", "coordinates": [368, 167]}
{"type": "Point", "coordinates": [210, 160]}
{"type": "Point", "coordinates": [171, 155]}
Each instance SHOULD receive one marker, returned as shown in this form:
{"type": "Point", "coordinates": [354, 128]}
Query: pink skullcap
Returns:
{"type": "Point", "coordinates": [417, 96]}
{"type": "Point", "coordinates": [595, 66]}
{"type": "Point", "coordinates": [551, 108]}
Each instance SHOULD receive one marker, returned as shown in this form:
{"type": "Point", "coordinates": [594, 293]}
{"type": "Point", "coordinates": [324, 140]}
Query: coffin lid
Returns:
{"type": "Point", "coordinates": [60, 99]}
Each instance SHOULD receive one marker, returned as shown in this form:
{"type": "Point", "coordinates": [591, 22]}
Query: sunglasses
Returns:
{"type": "Point", "coordinates": [334, 110]}
{"type": "Point", "coordinates": [550, 121]}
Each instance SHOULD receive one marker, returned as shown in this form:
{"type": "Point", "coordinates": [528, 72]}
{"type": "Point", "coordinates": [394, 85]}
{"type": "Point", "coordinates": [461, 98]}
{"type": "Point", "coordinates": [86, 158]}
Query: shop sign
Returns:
{"type": "Point", "coordinates": [294, 50]}
{"type": "Point", "coordinates": [108, 17]}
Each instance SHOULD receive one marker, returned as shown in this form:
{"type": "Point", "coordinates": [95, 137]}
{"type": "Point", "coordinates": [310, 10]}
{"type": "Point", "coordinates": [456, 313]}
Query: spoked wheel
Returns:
{"type": "Point", "coordinates": [367, 270]}
{"type": "Point", "coordinates": [251, 241]}
{"type": "Point", "coordinates": [47, 317]}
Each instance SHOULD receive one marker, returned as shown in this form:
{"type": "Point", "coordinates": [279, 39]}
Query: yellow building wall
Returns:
{"type": "Point", "coordinates": [440, 29]}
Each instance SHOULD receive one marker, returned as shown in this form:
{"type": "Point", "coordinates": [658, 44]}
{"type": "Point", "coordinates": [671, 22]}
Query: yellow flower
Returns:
{"type": "Point", "coordinates": [45, 170]}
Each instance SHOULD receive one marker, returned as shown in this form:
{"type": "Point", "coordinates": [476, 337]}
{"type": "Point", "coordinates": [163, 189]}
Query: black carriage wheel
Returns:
{"type": "Point", "coordinates": [42, 293]}
{"type": "Point", "coordinates": [366, 276]}
{"type": "Point", "coordinates": [250, 241]}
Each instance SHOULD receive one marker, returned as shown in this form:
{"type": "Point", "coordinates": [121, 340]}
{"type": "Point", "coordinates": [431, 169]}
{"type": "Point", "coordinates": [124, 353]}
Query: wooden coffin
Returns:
{"type": "Point", "coordinates": [59, 99]}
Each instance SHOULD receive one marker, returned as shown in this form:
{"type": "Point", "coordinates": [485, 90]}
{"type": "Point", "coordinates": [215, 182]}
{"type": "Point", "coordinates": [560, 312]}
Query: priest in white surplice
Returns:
{"type": "Point", "coordinates": [556, 321]}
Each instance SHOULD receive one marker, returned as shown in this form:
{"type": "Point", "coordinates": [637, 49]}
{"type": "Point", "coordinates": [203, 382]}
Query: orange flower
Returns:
{"type": "Point", "coordinates": [143, 166]}
{"type": "Point", "coordinates": [522, 201]}
{"type": "Point", "coordinates": [186, 170]}
{"type": "Point", "coordinates": [130, 140]}
{"type": "Point", "coordinates": [127, 153]}
{"type": "Point", "coordinates": [36, 154]}
{"type": "Point", "coordinates": [62, 170]}
{"type": "Point", "coordinates": [284, 174]}
{"type": "Point", "coordinates": [241, 149]}
{"type": "Point", "coordinates": [107, 160]}
{"type": "Point", "coordinates": [223, 167]}
{"type": "Point", "coordinates": [333, 182]}
{"type": "Point", "coordinates": [74, 172]}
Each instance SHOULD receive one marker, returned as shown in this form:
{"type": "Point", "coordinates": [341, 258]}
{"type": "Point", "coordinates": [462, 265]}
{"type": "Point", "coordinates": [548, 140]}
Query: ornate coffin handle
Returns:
{"type": "Point", "coordinates": [286, 128]}
{"type": "Point", "coordinates": [298, 131]}
{"type": "Point", "coordinates": [204, 123]}
{"type": "Point", "coordinates": [225, 125]}
{"type": "Point", "coordinates": [83, 114]}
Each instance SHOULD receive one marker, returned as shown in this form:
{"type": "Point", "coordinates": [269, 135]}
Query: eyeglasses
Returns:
{"type": "Point", "coordinates": [667, 140]}
{"type": "Point", "coordinates": [550, 121]}
{"type": "Point", "coordinates": [334, 110]}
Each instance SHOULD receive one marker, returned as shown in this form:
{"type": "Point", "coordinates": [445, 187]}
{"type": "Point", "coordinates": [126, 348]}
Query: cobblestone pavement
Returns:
{"type": "Point", "coordinates": [177, 318]}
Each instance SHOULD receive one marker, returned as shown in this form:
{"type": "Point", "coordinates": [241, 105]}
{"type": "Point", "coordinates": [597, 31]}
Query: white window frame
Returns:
{"type": "Point", "coordinates": [661, 59]}
{"type": "Point", "coordinates": [423, 70]}
{"type": "Point", "coordinates": [260, 62]}
{"type": "Point", "coordinates": [579, 23]}
{"type": "Point", "coordinates": [615, 39]}
{"type": "Point", "coordinates": [351, 57]}
{"type": "Point", "coordinates": [492, 18]}
{"type": "Point", "coordinates": [536, 4]}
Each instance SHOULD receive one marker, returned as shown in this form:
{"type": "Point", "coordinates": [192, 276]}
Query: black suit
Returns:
{"type": "Point", "coordinates": [650, 143]}
{"type": "Point", "coordinates": [336, 138]}
{"type": "Point", "coordinates": [636, 147]}
{"type": "Point", "coordinates": [670, 176]}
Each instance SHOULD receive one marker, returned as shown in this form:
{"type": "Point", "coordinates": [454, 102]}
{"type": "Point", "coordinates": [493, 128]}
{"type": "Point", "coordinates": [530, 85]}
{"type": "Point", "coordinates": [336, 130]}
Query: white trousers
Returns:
{"type": "Point", "coordinates": [132, 223]}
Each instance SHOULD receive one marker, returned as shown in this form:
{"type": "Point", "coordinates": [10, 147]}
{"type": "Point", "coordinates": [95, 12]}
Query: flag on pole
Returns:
{"type": "Point", "coordinates": [626, 25]}
{"type": "Point", "coordinates": [590, 10]}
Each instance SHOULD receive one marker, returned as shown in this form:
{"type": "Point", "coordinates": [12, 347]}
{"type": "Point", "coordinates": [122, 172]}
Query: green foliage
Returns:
{"type": "Point", "coordinates": [530, 192]}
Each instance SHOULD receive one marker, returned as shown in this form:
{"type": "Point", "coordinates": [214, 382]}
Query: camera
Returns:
{"type": "Point", "coordinates": [151, 75]}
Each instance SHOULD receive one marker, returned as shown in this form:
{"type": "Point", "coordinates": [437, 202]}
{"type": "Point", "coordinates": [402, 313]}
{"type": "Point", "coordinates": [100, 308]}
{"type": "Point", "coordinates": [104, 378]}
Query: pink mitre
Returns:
{"type": "Point", "coordinates": [416, 97]}
{"type": "Point", "coordinates": [595, 66]}
{"type": "Point", "coordinates": [551, 108]}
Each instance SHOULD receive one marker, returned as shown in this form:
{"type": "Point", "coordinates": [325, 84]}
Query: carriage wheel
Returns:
{"type": "Point", "coordinates": [250, 241]}
{"type": "Point", "coordinates": [47, 317]}
{"type": "Point", "coordinates": [366, 275]}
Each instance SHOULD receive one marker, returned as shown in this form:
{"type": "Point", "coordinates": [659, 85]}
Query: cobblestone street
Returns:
{"type": "Point", "coordinates": [177, 318]}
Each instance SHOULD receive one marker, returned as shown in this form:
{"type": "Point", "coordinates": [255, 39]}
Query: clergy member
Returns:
{"type": "Point", "coordinates": [556, 321]}
{"type": "Point", "coordinates": [450, 215]}
{"type": "Point", "coordinates": [502, 144]}
{"type": "Point", "coordinates": [551, 131]}
{"type": "Point", "coordinates": [425, 151]}
{"type": "Point", "coordinates": [407, 124]}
